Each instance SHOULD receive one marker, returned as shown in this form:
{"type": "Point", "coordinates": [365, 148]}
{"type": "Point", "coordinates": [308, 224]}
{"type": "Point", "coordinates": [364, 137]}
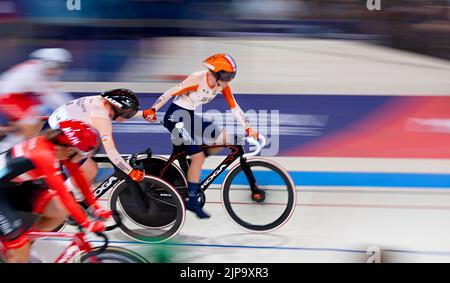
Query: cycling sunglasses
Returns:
{"type": "Point", "coordinates": [225, 76]}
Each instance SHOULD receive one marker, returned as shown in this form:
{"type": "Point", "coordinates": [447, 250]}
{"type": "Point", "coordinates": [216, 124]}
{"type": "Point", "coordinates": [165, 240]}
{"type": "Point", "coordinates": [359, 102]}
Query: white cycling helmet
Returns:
{"type": "Point", "coordinates": [53, 57]}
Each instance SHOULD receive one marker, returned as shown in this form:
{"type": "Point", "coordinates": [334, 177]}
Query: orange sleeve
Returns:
{"type": "Point", "coordinates": [237, 111]}
{"type": "Point", "coordinates": [229, 97]}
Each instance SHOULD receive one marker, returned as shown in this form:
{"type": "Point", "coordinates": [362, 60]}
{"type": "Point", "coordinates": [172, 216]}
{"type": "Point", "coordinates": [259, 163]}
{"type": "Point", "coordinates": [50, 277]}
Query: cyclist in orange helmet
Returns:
{"type": "Point", "coordinates": [197, 89]}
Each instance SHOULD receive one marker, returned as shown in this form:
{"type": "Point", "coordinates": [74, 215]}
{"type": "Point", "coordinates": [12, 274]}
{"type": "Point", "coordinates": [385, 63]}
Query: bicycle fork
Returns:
{"type": "Point", "coordinates": [258, 195]}
{"type": "Point", "coordinates": [249, 174]}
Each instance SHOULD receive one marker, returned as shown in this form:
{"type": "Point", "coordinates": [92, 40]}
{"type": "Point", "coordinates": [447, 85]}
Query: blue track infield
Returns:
{"type": "Point", "coordinates": [345, 179]}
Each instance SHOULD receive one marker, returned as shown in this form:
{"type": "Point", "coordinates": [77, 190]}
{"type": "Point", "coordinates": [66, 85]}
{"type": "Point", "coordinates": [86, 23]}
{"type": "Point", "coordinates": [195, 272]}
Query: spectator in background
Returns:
{"type": "Point", "coordinates": [270, 9]}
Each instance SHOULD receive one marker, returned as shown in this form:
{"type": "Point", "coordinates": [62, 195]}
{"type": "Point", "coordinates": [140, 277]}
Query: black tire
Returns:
{"type": "Point", "coordinates": [173, 174]}
{"type": "Point", "coordinates": [162, 219]}
{"type": "Point", "coordinates": [114, 255]}
{"type": "Point", "coordinates": [241, 207]}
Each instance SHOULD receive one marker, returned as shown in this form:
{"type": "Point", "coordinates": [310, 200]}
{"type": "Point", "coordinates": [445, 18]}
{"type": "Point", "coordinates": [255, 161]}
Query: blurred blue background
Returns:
{"type": "Point", "coordinates": [104, 34]}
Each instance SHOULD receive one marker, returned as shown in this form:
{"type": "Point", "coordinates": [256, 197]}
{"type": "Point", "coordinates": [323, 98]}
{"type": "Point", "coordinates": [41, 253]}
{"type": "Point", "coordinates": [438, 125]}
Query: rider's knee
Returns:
{"type": "Point", "coordinates": [198, 158]}
{"type": "Point", "coordinates": [55, 209]}
{"type": "Point", "coordinates": [17, 247]}
{"type": "Point", "coordinates": [19, 255]}
{"type": "Point", "coordinates": [90, 169]}
{"type": "Point", "coordinates": [90, 164]}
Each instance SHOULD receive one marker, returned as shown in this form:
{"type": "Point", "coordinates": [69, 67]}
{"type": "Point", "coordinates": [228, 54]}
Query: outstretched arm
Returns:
{"type": "Point", "coordinates": [238, 113]}
{"type": "Point", "coordinates": [189, 84]}
{"type": "Point", "coordinates": [104, 127]}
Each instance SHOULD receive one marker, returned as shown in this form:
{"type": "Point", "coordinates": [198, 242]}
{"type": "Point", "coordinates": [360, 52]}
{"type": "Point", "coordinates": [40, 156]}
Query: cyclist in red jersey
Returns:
{"type": "Point", "coordinates": [31, 180]}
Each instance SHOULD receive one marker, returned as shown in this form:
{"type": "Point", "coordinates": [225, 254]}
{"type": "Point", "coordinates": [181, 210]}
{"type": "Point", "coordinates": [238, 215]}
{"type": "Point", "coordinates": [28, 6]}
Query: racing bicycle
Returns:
{"type": "Point", "coordinates": [80, 249]}
{"type": "Point", "coordinates": [256, 193]}
{"type": "Point", "coordinates": [145, 202]}
{"type": "Point", "coordinates": [141, 203]}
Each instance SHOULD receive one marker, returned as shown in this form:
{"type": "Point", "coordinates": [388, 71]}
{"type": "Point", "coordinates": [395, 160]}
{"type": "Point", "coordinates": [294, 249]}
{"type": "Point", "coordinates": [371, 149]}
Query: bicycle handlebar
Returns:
{"type": "Point", "coordinates": [138, 156]}
{"type": "Point", "coordinates": [259, 145]}
{"type": "Point", "coordinates": [118, 220]}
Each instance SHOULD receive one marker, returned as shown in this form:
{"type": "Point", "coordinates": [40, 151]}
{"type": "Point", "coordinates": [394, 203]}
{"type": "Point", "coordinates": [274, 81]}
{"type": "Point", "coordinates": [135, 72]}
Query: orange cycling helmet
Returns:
{"type": "Point", "coordinates": [222, 66]}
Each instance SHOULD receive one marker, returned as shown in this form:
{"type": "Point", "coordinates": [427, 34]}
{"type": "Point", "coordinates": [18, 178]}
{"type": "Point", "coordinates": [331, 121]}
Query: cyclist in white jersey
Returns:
{"type": "Point", "coordinates": [99, 111]}
{"type": "Point", "coordinates": [197, 89]}
{"type": "Point", "coordinates": [27, 92]}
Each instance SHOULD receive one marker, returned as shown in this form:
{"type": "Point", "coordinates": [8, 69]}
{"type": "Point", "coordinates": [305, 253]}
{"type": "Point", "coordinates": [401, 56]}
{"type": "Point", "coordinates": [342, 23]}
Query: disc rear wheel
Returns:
{"type": "Point", "coordinates": [159, 218]}
{"type": "Point", "coordinates": [114, 255]}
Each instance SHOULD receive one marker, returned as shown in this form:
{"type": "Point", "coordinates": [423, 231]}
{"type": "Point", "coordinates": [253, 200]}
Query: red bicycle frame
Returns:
{"type": "Point", "coordinates": [77, 246]}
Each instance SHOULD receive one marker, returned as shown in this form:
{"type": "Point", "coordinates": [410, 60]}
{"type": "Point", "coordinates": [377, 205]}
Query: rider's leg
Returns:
{"type": "Point", "coordinates": [89, 170]}
{"type": "Point", "coordinates": [197, 156]}
{"type": "Point", "coordinates": [195, 168]}
{"type": "Point", "coordinates": [53, 215]}
{"type": "Point", "coordinates": [18, 253]}
{"type": "Point", "coordinates": [193, 177]}
{"type": "Point", "coordinates": [35, 198]}
{"type": "Point", "coordinates": [12, 232]}
{"type": "Point", "coordinates": [222, 138]}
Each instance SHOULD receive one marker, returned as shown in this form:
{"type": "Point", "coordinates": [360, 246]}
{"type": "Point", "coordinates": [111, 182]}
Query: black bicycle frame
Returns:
{"type": "Point", "coordinates": [236, 151]}
{"type": "Point", "coordinates": [115, 178]}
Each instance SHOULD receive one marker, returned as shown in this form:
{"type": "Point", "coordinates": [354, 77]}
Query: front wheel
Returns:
{"type": "Point", "coordinates": [158, 217]}
{"type": "Point", "coordinates": [261, 207]}
{"type": "Point", "coordinates": [113, 255]}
